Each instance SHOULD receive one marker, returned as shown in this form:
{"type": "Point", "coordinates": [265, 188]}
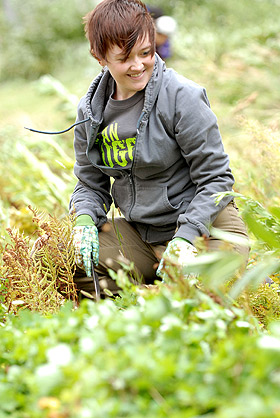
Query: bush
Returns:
{"type": "Point", "coordinates": [167, 356]}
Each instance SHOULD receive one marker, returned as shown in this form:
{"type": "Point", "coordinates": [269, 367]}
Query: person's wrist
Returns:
{"type": "Point", "coordinates": [84, 220]}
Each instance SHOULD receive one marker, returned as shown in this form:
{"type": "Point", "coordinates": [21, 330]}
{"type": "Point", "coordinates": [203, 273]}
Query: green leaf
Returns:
{"type": "Point", "coordinates": [261, 231]}
{"type": "Point", "coordinates": [255, 275]}
{"type": "Point", "coordinates": [275, 211]}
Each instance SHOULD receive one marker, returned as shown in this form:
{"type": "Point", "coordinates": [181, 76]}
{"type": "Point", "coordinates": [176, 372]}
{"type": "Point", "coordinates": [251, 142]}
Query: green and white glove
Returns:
{"type": "Point", "coordinates": [86, 243]}
{"type": "Point", "coordinates": [179, 248]}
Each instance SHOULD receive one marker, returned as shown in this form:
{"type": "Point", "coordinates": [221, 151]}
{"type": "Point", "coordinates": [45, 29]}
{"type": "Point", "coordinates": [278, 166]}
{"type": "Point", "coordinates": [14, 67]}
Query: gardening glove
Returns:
{"type": "Point", "coordinates": [180, 249]}
{"type": "Point", "coordinates": [86, 243]}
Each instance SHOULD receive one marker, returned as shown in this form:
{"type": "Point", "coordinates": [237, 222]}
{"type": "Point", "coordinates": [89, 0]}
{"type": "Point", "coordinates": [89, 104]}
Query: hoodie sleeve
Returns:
{"type": "Point", "coordinates": [198, 136]}
{"type": "Point", "coordinates": [91, 195]}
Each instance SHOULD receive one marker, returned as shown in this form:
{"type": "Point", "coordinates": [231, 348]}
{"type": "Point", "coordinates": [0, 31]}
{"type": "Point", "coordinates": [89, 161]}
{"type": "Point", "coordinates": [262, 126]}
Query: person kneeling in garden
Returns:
{"type": "Point", "coordinates": [153, 132]}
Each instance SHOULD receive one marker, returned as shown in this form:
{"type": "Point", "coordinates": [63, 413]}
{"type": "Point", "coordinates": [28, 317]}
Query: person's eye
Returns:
{"type": "Point", "coordinates": [146, 53]}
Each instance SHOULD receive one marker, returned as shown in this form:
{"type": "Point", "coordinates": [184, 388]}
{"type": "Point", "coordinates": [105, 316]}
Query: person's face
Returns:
{"type": "Point", "coordinates": [133, 74]}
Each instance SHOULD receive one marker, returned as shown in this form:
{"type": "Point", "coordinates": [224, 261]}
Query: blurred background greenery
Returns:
{"type": "Point", "coordinates": [186, 336]}
{"type": "Point", "coordinates": [231, 48]}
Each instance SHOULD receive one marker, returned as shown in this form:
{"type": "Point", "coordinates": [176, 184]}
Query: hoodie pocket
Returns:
{"type": "Point", "coordinates": [152, 203]}
{"type": "Point", "coordinates": [122, 195]}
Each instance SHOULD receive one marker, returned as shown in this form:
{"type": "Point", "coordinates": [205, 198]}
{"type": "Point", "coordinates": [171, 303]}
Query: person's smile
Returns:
{"type": "Point", "coordinates": [137, 76]}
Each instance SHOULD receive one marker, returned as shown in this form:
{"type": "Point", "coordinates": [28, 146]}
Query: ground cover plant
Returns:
{"type": "Point", "coordinates": [167, 356]}
{"type": "Point", "coordinates": [206, 347]}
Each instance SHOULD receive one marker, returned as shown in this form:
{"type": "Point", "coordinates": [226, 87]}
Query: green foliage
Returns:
{"type": "Point", "coordinates": [48, 85]}
{"type": "Point", "coordinates": [251, 289]}
{"type": "Point", "coordinates": [263, 223]}
{"type": "Point", "coordinates": [33, 181]}
{"type": "Point", "coordinates": [264, 303]}
{"type": "Point", "coordinates": [214, 30]}
{"type": "Point", "coordinates": [208, 346]}
{"type": "Point", "coordinates": [258, 145]}
{"type": "Point", "coordinates": [40, 34]}
{"type": "Point", "coordinates": [167, 356]}
{"type": "Point", "coordinates": [181, 349]}
{"type": "Point", "coordinates": [40, 166]}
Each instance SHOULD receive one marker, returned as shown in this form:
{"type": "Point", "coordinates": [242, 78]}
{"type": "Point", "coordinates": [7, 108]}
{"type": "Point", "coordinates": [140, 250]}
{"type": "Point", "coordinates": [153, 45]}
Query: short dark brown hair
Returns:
{"type": "Point", "coordinates": [118, 22]}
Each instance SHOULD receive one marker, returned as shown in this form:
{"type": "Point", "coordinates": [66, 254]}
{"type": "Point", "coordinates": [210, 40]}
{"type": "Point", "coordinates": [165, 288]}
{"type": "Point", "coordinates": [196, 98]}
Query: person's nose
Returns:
{"type": "Point", "coordinates": [137, 64]}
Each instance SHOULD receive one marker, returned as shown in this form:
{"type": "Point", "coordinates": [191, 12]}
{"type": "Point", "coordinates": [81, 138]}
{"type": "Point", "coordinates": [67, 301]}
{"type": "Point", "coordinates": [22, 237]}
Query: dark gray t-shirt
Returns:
{"type": "Point", "coordinates": [117, 136]}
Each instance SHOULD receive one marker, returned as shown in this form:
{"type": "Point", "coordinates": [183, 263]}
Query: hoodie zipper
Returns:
{"type": "Point", "coordinates": [130, 175]}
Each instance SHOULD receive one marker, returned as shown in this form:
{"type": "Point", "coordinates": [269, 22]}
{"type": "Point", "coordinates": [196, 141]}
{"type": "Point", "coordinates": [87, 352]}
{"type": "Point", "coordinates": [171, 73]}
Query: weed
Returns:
{"type": "Point", "coordinates": [41, 277]}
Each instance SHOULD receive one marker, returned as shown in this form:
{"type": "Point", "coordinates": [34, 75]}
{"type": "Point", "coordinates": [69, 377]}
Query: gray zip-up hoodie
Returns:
{"type": "Point", "coordinates": [179, 161]}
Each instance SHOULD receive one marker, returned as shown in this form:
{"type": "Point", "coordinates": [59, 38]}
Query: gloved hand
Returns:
{"type": "Point", "coordinates": [86, 244]}
{"type": "Point", "coordinates": [179, 248]}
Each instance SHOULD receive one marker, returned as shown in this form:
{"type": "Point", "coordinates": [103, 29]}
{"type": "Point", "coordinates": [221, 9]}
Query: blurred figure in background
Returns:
{"type": "Point", "coordinates": [165, 28]}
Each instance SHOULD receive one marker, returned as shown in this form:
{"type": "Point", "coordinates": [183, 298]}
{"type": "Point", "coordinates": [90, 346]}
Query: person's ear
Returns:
{"type": "Point", "coordinates": [102, 62]}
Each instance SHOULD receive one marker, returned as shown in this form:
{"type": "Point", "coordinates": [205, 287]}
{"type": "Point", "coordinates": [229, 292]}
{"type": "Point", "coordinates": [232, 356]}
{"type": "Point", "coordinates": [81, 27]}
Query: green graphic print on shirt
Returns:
{"type": "Point", "coordinates": [115, 152]}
